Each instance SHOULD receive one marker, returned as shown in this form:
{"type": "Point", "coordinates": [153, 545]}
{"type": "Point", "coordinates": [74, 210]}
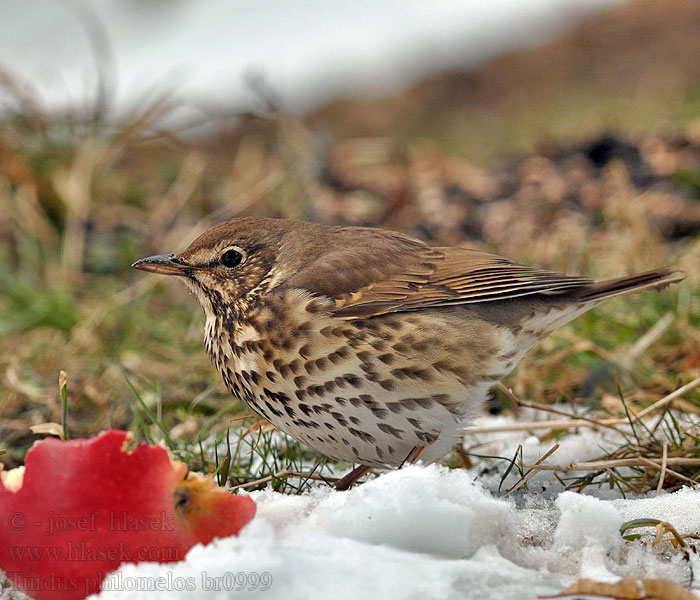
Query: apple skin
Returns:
{"type": "Point", "coordinates": [80, 508]}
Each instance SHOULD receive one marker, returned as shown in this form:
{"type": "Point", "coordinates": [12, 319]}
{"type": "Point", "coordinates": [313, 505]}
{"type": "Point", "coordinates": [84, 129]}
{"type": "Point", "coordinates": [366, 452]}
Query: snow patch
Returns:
{"type": "Point", "coordinates": [427, 532]}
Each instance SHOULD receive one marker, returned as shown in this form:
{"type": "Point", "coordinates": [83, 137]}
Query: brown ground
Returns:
{"type": "Point", "coordinates": [630, 69]}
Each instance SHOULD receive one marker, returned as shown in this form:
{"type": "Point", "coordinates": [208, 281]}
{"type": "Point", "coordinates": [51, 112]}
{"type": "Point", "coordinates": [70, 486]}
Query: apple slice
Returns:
{"type": "Point", "coordinates": [78, 509]}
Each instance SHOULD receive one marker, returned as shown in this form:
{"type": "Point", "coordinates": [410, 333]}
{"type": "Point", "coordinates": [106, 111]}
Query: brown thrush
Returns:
{"type": "Point", "coordinates": [367, 344]}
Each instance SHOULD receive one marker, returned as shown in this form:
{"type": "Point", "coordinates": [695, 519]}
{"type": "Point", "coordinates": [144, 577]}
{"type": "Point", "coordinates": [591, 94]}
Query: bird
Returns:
{"type": "Point", "coordinates": [368, 345]}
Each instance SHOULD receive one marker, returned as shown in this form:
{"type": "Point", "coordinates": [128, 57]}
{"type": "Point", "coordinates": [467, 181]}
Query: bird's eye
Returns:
{"type": "Point", "coordinates": [231, 258]}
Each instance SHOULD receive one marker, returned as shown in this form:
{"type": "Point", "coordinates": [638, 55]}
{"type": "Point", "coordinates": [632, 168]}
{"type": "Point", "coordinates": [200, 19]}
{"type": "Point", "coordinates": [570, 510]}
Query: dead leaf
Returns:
{"type": "Point", "coordinates": [48, 429]}
{"type": "Point", "coordinates": [629, 588]}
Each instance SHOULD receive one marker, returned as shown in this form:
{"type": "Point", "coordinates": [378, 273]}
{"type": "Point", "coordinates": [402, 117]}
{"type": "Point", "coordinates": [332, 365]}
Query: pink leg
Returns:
{"type": "Point", "coordinates": [413, 455]}
{"type": "Point", "coordinates": [351, 478]}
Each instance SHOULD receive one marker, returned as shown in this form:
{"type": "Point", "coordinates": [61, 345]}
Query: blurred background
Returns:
{"type": "Point", "coordinates": [561, 133]}
{"type": "Point", "coordinates": [210, 54]}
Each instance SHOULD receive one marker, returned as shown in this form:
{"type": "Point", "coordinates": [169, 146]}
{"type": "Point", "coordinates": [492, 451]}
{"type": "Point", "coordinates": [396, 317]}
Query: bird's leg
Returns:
{"type": "Point", "coordinates": [351, 478]}
{"type": "Point", "coordinates": [413, 455]}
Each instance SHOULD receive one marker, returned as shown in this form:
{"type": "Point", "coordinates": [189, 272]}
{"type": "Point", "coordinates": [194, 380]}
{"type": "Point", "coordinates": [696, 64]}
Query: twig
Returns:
{"type": "Point", "coordinates": [597, 465]}
{"type": "Point", "coordinates": [544, 407]}
{"type": "Point", "coordinates": [280, 475]}
{"type": "Point", "coordinates": [551, 424]}
{"type": "Point", "coordinates": [651, 463]}
{"type": "Point", "coordinates": [546, 467]}
{"type": "Point", "coordinates": [662, 475]}
{"type": "Point", "coordinates": [310, 475]}
{"type": "Point", "coordinates": [630, 462]}
{"type": "Point", "coordinates": [530, 472]}
{"type": "Point", "coordinates": [669, 398]}
{"type": "Point", "coordinates": [580, 422]}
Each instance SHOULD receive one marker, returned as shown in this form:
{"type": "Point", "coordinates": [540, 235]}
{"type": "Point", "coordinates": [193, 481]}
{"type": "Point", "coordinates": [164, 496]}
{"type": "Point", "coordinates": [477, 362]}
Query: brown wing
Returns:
{"type": "Point", "coordinates": [402, 274]}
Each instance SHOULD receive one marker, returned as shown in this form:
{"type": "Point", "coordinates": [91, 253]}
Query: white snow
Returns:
{"type": "Point", "coordinates": [432, 532]}
{"type": "Point", "coordinates": [307, 51]}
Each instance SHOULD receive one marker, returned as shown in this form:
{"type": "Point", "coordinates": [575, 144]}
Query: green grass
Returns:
{"type": "Point", "coordinates": [132, 345]}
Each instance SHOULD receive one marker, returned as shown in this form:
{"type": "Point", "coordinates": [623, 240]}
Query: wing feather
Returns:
{"type": "Point", "coordinates": [455, 276]}
{"type": "Point", "coordinates": [395, 273]}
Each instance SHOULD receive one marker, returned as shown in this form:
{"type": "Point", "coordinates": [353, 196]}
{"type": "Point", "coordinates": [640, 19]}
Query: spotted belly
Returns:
{"type": "Point", "coordinates": [349, 418]}
{"type": "Point", "coordinates": [364, 391]}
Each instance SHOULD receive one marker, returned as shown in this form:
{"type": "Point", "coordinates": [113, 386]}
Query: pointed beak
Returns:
{"type": "Point", "coordinates": [163, 264]}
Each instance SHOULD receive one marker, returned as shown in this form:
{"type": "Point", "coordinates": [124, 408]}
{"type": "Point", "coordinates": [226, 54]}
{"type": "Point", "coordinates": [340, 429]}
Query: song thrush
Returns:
{"type": "Point", "coordinates": [366, 344]}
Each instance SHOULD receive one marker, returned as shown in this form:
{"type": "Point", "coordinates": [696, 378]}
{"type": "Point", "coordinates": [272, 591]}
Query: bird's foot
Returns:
{"type": "Point", "coordinates": [351, 478]}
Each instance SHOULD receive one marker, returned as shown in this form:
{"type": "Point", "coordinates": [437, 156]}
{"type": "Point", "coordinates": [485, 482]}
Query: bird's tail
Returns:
{"type": "Point", "coordinates": [656, 279]}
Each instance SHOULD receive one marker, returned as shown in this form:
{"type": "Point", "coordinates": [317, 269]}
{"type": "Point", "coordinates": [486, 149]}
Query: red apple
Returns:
{"type": "Point", "coordinates": [79, 509]}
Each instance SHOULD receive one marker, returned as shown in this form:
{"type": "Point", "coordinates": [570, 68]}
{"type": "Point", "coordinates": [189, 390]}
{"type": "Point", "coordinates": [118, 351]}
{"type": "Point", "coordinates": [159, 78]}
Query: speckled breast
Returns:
{"type": "Point", "coordinates": [365, 391]}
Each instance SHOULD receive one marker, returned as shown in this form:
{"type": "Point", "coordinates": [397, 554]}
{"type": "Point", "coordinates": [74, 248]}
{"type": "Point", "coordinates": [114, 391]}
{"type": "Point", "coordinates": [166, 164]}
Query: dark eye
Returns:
{"type": "Point", "coordinates": [231, 258]}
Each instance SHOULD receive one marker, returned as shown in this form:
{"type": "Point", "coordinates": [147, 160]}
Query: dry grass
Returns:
{"type": "Point", "coordinates": [83, 200]}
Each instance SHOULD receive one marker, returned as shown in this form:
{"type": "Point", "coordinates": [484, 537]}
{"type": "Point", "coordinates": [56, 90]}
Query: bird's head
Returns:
{"type": "Point", "coordinates": [230, 264]}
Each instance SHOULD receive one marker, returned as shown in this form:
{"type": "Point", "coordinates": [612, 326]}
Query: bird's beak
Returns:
{"type": "Point", "coordinates": [163, 264]}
